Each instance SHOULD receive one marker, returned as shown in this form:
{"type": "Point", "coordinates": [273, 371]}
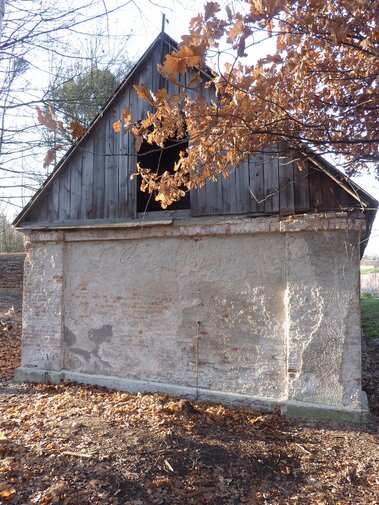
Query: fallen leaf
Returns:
{"type": "Point", "coordinates": [7, 493]}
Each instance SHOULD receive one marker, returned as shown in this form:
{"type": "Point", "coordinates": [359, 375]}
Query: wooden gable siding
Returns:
{"type": "Point", "coordinates": [267, 184]}
{"type": "Point", "coordinates": [326, 194]}
{"type": "Point", "coordinates": [264, 184]}
{"type": "Point", "coordinates": [94, 182]}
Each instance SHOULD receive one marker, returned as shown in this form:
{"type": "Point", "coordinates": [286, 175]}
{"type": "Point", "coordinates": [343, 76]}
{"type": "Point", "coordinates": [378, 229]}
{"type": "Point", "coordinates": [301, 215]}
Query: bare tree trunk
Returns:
{"type": "Point", "coordinates": [2, 7]}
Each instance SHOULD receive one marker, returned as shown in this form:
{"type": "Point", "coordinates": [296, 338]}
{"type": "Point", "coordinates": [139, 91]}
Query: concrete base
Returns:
{"type": "Point", "coordinates": [313, 412]}
{"type": "Point", "coordinates": [23, 374]}
{"type": "Point", "coordinates": [292, 409]}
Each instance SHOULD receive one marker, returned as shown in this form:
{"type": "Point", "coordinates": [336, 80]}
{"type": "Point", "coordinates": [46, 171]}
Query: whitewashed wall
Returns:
{"type": "Point", "coordinates": [254, 311]}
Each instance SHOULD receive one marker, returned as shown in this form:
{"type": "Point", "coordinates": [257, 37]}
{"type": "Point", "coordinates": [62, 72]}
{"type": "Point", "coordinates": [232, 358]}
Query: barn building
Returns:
{"type": "Point", "coordinates": [245, 292]}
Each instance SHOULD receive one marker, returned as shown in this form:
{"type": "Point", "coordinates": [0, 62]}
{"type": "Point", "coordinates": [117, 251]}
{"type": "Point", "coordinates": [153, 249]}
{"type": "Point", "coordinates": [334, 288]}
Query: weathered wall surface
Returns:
{"type": "Point", "coordinates": [42, 303]}
{"type": "Point", "coordinates": [323, 317]}
{"type": "Point", "coordinates": [260, 309]}
{"type": "Point", "coordinates": [135, 309]}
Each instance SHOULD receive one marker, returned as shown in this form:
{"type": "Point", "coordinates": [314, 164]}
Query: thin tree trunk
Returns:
{"type": "Point", "coordinates": [2, 8]}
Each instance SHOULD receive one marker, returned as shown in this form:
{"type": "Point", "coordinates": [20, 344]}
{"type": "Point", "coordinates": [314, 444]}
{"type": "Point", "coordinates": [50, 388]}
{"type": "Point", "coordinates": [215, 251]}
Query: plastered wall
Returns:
{"type": "Point", "coordinates": [258, 309]}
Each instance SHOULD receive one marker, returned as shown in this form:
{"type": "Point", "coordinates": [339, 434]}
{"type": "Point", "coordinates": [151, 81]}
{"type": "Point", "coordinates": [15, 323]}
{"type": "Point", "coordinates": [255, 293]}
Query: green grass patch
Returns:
{"type": "Point", "coordinates": [365, 271]}
{"type": "Point", "coordinates": [370, 317]}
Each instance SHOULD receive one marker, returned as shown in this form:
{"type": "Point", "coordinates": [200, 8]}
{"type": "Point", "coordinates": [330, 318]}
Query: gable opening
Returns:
{"type": "Point", "coordinates": [160, 160]}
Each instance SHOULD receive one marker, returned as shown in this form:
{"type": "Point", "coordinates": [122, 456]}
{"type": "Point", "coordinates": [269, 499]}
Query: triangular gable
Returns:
{"type": "Point", "coordinates": [91, 183]}
{"type": "Point", "coordinates": [42, 204]}
{"type": "Point", "coordinates": [345, 182]}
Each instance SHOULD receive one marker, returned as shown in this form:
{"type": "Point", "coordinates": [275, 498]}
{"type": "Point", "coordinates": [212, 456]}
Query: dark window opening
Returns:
{"type": "Point", "coordinates": [159, 160]}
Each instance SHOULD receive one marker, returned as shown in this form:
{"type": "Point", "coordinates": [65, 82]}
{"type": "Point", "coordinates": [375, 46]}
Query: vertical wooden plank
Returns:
{"type": "Point", "coordinates": [218, 207]}
{"type": "Point", "coordinates": [97, 211]}
{"type": "Point", "coordinates": [256, 186]}
{"type": "Point", "coordinates": [332, 196]}
{"type": "Point", "coordinates": [49, 204]}
{"type": "Point", "coordinates": [271, 179]}
{"type": "Point", "coordinates": [53, 201]}
{"type": "Point", "coordinates": [226, 184]}
{"type": "Point", "coordinates": [111, 165]}
{"type": "Point", "coordinates": [191, 93]}
{"type": "Point", "coordinates": [87, 178]}
{"type": "Point", "coordinates": [315, 189]}
{"type": "Point", "coordinates": [286, 182]}
{"type": "Point", "coordinates": [194, 201]}
{"type": "Point", "coordinates": [55, 191]}
{"type": "Point", "coordinates": [198, 196]}
{"type": "Point", "coordinates": [146, 78]}
{"type": "Point", "coordinates": [199, 202]}
{"type": "Point", "coordinates": [158, 57]}
{"type": "Point", "coordinates": [64, 194]}
{"type": "Point", "coordinates": [132, 158]}
{"type": "Point", "coordinates": [341, 198]}
{"type": "Point", "coordinates": [40, 212]}
{"type": "Point", "coordinates": [172, 89]}
{"type": "Point", "coordinates": [301, 186]}
{"type": "Point", "coordinates": [76, 184]}
{"type": "Point", "coordinates": [232, 192]}
{"type": "Point", "coordinates": [210, 204]}
{"type": "Point", "coordinates": [242, 192]}
{"type": "Point", "coordinates": [123, 164]}
{"type": "Point", "coordinates": [139, 109]}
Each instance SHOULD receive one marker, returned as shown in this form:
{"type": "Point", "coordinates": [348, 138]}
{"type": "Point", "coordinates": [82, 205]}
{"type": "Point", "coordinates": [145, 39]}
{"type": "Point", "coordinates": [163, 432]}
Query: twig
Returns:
{"type": "Point", "coordinates": [77, 454]}
{"type": "Point", "coordinates": [303, 448]}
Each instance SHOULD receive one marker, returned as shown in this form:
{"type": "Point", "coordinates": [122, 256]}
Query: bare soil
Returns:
{"type": "Point", "coordinates": [72, 444]}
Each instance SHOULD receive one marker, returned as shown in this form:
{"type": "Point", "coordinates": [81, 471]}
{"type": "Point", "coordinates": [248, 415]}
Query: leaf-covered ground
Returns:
{"type": "Point", "coordinates": [71, 444]}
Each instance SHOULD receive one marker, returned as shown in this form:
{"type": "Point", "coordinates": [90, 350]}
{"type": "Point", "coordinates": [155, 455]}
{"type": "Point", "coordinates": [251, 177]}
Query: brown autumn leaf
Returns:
{"type": "Point", "coordinates": [160, 95]}
{"type": "Point", "coordinates": [7, 493]}
{"type": "Point", "coordinates": [47, 118]}
{"type": "Point", "coordinates": [195, 80]}
{"type": "Point", "coordinates": [273, 7]}
{"type": "Point", "coordinates": [143, 93]}
{"type": "Point", "coordinates": [77, 130]}
{"type": "Point", "coordinates": [236, 30]}
{"type": "Point", "coordinates": [117, 126]}
{"type": "Point", "coordinates": [257, 7]}
{"type": "Point", "coordinates": [50, 155]}
{"type": "Point", "coordinates": [340, 31]}
{"type": "Point", "coordinates": [210, 9]}
{"type": "Point", "coordinates": [178, 61]}
{"type": "Point", "coordinates": [126, 115]}
{"type": "Point", "coordinates": [138, 142]}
